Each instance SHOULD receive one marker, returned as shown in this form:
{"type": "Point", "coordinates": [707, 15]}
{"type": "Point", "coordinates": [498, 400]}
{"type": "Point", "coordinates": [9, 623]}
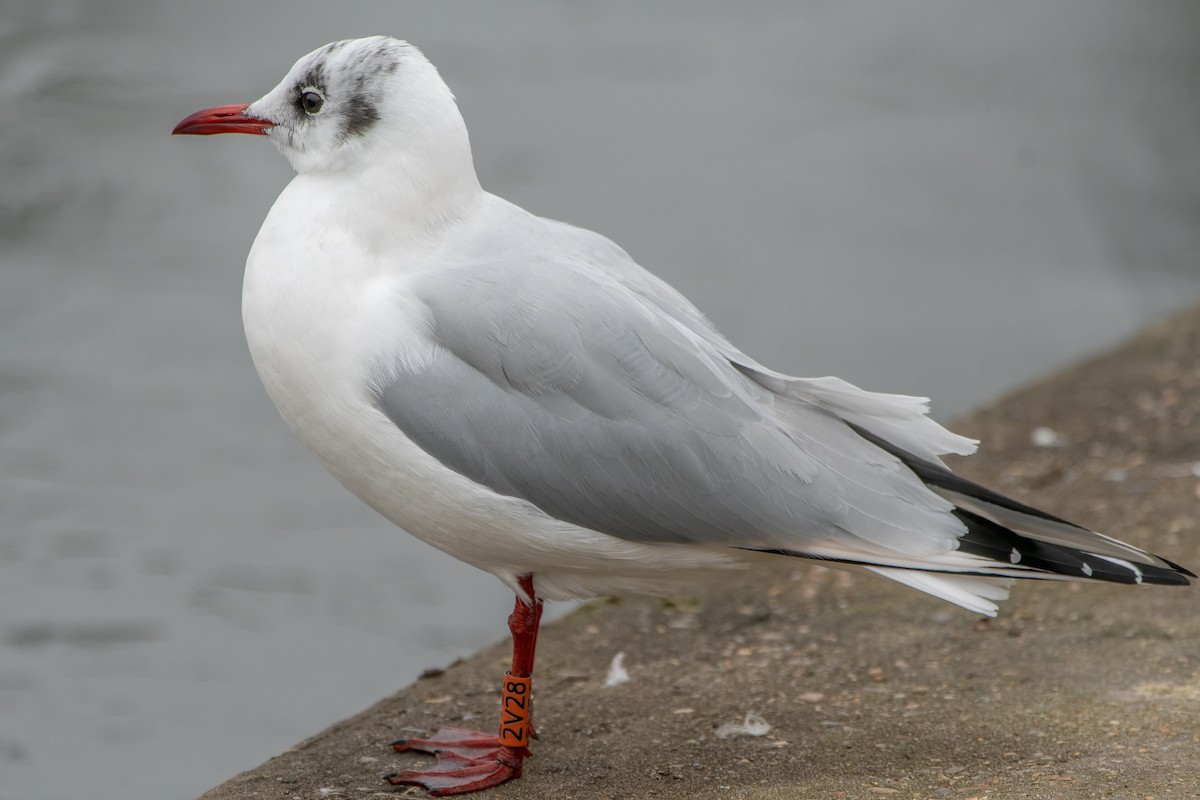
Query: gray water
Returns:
{"type": "Point", "coordinates": [929, 197]}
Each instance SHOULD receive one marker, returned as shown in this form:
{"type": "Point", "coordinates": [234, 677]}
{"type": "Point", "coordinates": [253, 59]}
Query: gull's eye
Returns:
{"type": "Point", "coordinates": [311, 100]}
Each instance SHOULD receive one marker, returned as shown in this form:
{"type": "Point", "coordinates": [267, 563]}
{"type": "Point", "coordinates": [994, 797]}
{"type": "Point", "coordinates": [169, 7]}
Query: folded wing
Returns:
{"type": "Point", "coordinates": [554, 384]}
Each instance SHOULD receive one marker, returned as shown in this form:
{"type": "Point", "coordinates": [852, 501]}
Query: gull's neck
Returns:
{"type": "Point", "coordinates": [406, 190]}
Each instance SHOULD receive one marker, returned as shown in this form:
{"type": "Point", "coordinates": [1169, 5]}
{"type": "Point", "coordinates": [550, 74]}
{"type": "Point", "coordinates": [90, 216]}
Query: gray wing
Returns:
{"type": "Point", "coordinates": [554, 383]}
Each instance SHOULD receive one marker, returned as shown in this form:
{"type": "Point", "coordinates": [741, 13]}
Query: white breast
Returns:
{"type": "Point", "coordinates": [321, 314]}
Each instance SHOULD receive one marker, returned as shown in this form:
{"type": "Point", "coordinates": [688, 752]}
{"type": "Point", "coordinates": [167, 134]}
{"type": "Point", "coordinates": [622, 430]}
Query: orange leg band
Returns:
{"type": "Point", "coordinates": [516, 702]}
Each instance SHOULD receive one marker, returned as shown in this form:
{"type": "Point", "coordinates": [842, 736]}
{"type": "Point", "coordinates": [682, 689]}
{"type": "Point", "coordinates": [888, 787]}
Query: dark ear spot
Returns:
{"type": "Point", "coordinates": [359, 115]}
{"type": "Point", "coordinates": [362, 110]}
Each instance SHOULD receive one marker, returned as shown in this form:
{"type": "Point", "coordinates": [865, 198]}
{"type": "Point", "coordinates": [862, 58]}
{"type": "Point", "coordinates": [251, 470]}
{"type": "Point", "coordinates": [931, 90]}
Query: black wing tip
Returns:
{"type": "Point", "coordinates": [1170, 579]}
{"type": "Point", "coordinates": [1159, 576]}
{"type": "Point", "coordinates": [1004, 546]}
{"type": "Point", "coordinates": [1184, 571]}
{"type": "Point", "coordinates": [1153, 575]}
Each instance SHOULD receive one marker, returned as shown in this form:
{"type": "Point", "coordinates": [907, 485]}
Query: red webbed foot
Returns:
{"type": "Point", "coordinates": [447, 778]}
{"type": "Point", "coordinates": [461, 742]}
{"type": "Point", "coordinates": [467, 761]}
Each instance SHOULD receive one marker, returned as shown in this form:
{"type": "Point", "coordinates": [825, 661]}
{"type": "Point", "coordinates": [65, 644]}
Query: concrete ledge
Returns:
{"type": "Point", "coordinates": [873, 690]}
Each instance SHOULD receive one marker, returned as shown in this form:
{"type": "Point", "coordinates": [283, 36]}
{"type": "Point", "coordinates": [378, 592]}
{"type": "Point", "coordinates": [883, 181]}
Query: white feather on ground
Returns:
{"type": "Point", "coordinates": [752, 725]}
{"type": "Point", "coordinates": [617, 674]}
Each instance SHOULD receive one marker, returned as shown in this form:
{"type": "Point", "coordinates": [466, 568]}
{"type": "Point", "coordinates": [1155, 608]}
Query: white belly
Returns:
{"type": "Point", "coordinates": [324, 325]}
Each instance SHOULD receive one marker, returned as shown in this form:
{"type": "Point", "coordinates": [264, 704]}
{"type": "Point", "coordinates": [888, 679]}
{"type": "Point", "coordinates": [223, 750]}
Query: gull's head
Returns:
{"type": "Point", "coordinates": [350, 106]}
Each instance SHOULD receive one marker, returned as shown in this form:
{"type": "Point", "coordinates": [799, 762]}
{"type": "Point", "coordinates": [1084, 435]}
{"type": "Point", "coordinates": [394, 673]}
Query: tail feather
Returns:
{"type": "Point", "coordinates": [969, 591]}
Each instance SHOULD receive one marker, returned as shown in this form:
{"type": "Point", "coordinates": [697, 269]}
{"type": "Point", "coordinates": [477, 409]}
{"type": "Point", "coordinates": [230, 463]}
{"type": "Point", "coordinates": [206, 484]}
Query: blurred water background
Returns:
{"type": "Point", "coordinates": [929, 197]}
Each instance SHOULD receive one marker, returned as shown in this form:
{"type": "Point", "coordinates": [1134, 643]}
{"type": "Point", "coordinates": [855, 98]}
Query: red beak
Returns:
{"type": "Point", "coordinates": [223, 119]}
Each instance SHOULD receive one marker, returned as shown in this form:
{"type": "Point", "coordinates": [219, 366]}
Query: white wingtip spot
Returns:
{"type": "Point", "coordinates": [617, 674]}
{"type": "Point", "coordinates": [1120, 562]}
{"type": "Point", "coordinates": [1014, 556]}
{"type": "Point", "coordinates": [1087, 569]}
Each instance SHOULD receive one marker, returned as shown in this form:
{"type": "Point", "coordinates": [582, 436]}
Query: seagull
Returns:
{"type": "Point", "coordinates": [522, 395]}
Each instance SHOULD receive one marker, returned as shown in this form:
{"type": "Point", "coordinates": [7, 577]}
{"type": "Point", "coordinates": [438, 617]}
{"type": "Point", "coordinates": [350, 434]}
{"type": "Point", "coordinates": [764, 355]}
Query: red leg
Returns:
{"type": "Point", "coordinates": [537, 624]}
{"type": "Point", "coordinates": [468, 761]}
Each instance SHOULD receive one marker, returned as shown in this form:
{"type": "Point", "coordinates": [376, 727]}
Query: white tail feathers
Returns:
{"type": "Point", "coordinates": [969, 591]}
